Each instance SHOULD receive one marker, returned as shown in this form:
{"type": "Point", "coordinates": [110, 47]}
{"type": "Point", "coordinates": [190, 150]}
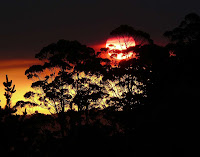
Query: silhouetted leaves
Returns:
{"type": "Point", "coordinates": [34, 69]}
{"type": "Point", "coordinates": [22, 104]}
{"type": "Point", "coordinates": [152, 92]}
{"type": "Point", "coordinates": [29, 94]}
{"type": "Point", "coordinates": [64, 60]}
{"type": "Point", "coordinates": [127, 31]}
{"type": "Point", "coordinates": [9, 91]}
{"type": "Point", "coordinates": [187, 31]}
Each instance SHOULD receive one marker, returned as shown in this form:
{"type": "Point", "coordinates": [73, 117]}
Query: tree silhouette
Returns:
{"type": "Point", "coordinates": [87, 92]}
{"type": "Point", "coordinates": [128, 38]}
{"type": "Point", "coordinates": [122, 82]}
{"type": "Point", "coordinates": [54, 82]}
{"type": "Point", "coordinates": [187, 31]}
{"type": "Point", "coordinates": [132, 74]}
{"type": "Point", "coordinates": [61, 61]}
{"type": "Point", "coordinates": [53, 95]}
{"type": "Point", "coordinates": [56, 86]}
{"type": "Point", "coordinates": [9, 91]}
{"type": "Point", "coordinates": [184, 43]}
{"type": "Point", "coordinates": [139, 36]}
{"type": "Point", "coordinates": [153, 91]}
{"type": "Point", "coordinates": [185, 38]}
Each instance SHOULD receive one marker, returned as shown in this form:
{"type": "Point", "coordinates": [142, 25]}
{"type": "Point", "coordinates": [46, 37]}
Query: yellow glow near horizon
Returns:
{"type": "Point", "coordinates": [15, 69]}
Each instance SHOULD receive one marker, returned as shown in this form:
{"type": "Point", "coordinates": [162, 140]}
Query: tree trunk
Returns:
{"type": "Point", "coordinates": [61, 117]}
{"type": "Point", "coordinates": [70, 106]}
{"type": "Point", "coordinates": [87, 114]}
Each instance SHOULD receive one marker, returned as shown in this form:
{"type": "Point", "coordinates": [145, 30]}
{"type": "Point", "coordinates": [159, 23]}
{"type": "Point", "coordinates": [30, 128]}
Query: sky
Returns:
{"type": "Point", "coordinates": [26, 26]}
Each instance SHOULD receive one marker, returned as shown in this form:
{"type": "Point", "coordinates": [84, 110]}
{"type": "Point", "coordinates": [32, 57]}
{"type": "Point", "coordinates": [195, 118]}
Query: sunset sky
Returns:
{"type": "Point", "coordinates": [29, 25]}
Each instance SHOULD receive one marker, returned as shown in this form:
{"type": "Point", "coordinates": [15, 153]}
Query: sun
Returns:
{"type": "Point", "coordinates": [116, 45]}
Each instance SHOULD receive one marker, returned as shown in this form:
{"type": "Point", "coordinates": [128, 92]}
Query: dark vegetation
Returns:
{"type": "Point", "coordinates": [138, 124]}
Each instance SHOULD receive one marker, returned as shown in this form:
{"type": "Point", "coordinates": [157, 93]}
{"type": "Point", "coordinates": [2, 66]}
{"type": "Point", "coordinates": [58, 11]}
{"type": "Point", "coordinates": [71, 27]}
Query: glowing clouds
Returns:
{"type": "Point", "coordinates": [117, 45]}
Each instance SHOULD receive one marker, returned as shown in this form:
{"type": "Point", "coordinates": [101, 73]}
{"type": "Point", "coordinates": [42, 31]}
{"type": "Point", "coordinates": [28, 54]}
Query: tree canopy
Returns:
{"type": "Point", "coordinates": [139, 36]}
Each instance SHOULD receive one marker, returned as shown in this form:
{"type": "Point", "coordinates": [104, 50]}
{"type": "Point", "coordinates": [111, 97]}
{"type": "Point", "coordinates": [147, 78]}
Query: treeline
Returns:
{"type": "Point", "coordinates": [153, 87]}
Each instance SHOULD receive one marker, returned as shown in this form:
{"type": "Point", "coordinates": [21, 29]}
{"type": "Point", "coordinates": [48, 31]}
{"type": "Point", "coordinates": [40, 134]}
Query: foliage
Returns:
{"type": "Point", "coordinates": [187, 31]}
{"type": "Point", "coordinates": [9, 91]}
{"type": "Point", "coordinates": [153, 91]}
{"type": "Point", "coordinates": [54, 81]}
{"type": "Point", "coordinates": [139, 36]}
{"type": "Point", "coordinates": [130, 78]}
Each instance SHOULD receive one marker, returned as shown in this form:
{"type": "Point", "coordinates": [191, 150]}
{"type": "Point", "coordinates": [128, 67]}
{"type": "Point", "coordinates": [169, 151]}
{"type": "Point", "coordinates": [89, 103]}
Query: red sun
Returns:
{"type": "Point", "coordinates": [117, 44]}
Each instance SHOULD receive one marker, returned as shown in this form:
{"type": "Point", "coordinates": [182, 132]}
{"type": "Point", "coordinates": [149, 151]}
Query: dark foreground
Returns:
{"type": "Point", "coordinates": [100, 133]}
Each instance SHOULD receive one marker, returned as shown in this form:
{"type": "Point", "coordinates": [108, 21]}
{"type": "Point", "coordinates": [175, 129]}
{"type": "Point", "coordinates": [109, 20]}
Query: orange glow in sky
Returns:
{"type": "Point", "coordinates": [15, 69]}
{"type": "Point", "coordinates": [117, 44]}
